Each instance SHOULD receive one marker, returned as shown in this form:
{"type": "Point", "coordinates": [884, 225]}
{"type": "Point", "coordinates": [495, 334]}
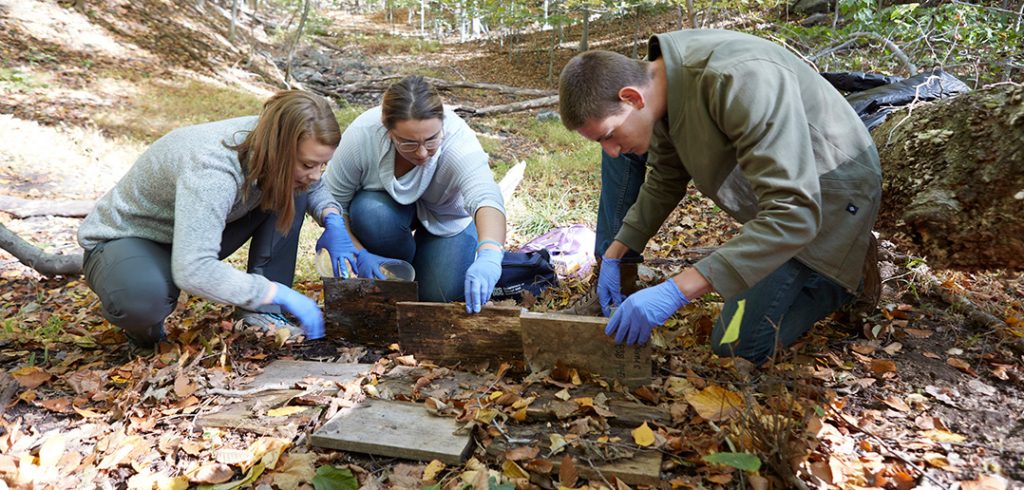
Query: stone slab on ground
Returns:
{"type": "Point", "coordinates": [395, 429]}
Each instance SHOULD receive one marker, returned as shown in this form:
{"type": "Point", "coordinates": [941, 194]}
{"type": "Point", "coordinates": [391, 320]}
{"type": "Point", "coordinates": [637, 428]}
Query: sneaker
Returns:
{"type": "Point", "coordinates": [268, 322]}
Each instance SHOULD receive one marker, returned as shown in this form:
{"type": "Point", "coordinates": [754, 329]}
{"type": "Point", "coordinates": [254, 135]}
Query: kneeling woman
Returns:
{"type": "Point", "coordinates": [415, 185]}
{"type": "Point", "coordinates": [194, 197]}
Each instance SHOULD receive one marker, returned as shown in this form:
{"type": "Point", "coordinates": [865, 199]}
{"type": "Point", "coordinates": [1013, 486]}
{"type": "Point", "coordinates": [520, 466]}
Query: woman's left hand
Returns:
{"type": "Point", "coordinates": [481, 278]}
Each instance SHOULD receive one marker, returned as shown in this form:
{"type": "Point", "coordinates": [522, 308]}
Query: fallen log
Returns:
{"type": "Point", "coordinates": [507, 108]}
{"type": "Point", "coordinates": [953, 178]}
{"type": "Point", "coordinates": [34, 257]}
{"type": "Point", "coordinates": [382, 84]}
{"type": "Point", "coordinates": [26, 208]}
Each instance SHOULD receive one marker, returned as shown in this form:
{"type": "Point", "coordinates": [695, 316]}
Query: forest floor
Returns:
{"type": "Point", "coordinates": [915, 396]}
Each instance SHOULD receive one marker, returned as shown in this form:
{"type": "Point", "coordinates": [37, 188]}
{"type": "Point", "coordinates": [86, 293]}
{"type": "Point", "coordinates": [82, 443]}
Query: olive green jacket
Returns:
{"type": "Point", "coordinates": [774, 145]}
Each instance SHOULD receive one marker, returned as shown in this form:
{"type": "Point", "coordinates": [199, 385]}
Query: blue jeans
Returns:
{"type": "Point", "coordinates": [390, 229]}
{"type": "Point", "coordinates": [132, 276]}
{"type": "Point", "coordinates": [778, 309]}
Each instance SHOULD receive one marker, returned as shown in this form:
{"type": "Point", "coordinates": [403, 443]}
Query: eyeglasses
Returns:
{"type": "Point", "coordinates": [431, 144]}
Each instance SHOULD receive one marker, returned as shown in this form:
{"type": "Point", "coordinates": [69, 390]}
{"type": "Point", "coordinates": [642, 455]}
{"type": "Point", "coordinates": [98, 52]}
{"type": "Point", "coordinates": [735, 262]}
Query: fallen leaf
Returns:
{"type": "Point", "coordinates": [406, 360]}
{"type": "Point", "coordinates": [896, 403]}
{"type": "Point", "coordinates": [563, 395]}
{"type": "Point", "coordinates": [567, 473]}
{"type": "Point", "coordinates": [434, 468]}
{"type": "Point", "coordinates": [51, 451]}
{"type": "Point", "coordinates": [211, 473]}
{"type": "Point", "coordinates": [715, 403]}
{"type": "Point", "coordinates": [880, 367]}
{"type": "Point", "coordinates": [936, 460]}
{"type": "Point", "coordinates": [30, 377]}
{"type": "Point", "coordinates": [989, 482]}
{"type": "Point", "coordinates": [999, 371]}
{"type": "Point", "coordinates": [918, 332]}
{"type": "Point", "coordinates": [510, 469]}
{"type": "Point", "coordinates": [541, 466]}
{"type": "Point", "coordinates": [931, 355]}
{"type": "Point", "coordinates": [59, 405]}
{"type": "Point", "coordinates": [557, 444]}
{"type": "Point", "coordinates": [741, 461]}
{"type": "Point", "coordinates": [961, 365]}
{"type": "Point", "coordinates": [939, 435]}
{"type": "Point", "coordinates": [863, 348]}
{"type": "Point", "coordinates": [522, 452]}
{"type": "Point", "coordinates": [335, 478]}
{"type": "Point", "coordinates": [165, 482]}
{"type": "Point", "coordinates": [183, 387]}
{"type": "Point", "coordinates": [285, 411]}
{"type": "Point", "coordinates": [296, 469]}
{"type": "Point", "coordinates": [235, 457]}
{"type": "Point", "coordinates": [643, 435]}
{"type": "Point", "coordinates": [893, 348]}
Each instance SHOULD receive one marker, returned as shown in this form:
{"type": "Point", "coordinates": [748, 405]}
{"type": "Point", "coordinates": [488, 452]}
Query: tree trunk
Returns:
{"type": "Point", "coordinates": [295, 41]}
{"type": "Point", "coordinates": [585, 37]}
{"type": "Point", "coordinates": [954, 178]}
{"type": "Point", "coordinates": [234, 20]}
{"type": "Point", "coordinates": [44, 263]}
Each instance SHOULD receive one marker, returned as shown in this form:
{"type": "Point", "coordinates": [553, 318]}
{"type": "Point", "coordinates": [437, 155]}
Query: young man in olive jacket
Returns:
{"type": "Point", "coordinates": [771, 142]}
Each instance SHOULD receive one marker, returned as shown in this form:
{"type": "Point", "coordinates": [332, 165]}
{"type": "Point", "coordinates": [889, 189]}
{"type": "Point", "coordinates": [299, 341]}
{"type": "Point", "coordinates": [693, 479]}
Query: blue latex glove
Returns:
{"type": "Point", "coordinates": [644, 310]}
{"type": "Point", "coordinates": [368, 264]}
{"type": "Point", "coordinates": [337, 242]}
{"type": "Point", "coordinates": [303, 308]}
{"type": "Point", "coordinates": [609, 288]}
{"type": "Point", "coordinates": [481, 278]}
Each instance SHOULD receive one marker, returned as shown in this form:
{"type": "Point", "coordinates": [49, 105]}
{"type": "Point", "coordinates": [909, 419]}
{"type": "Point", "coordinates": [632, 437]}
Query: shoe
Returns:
{"type": "Point", "coordinates": [268, 322]}
{"type": "Point", "coordinates": [586, 305]}
{"type": "Point", "coordinates": [866, 302]}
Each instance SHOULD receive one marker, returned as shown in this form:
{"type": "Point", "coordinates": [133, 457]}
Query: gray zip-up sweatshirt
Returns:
{"type": "Point", "coordinates": [183, 190]}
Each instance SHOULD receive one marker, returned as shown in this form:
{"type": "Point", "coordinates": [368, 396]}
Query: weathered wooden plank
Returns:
{"type": "Point", "coordinates": [397, 429]}
{"type": "Point", "coordinates": [288, 373]}
{"type": "Point", "coordinates": [644, 468]}
{"type": "Point", "coordinates": [627, 413]}
{"type": "Point", "coordinates": [363, 310]}
{"type": "Point", "coordinates": [446, 334]}
{"type": "Point", "coordinates": [251, 413]}
{"type": "Point", "coordinates": [579, 342]}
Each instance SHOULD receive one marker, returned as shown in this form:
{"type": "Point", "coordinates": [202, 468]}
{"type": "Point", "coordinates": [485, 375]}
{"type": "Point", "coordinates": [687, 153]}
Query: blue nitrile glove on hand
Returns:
{"type": "Point", "coordinates": [609, 287]}
{"type": "Point", "coordinates": [644, 310]}
{"type": "Point", "coordinates": [337, 242]}
{"type": "Point", "coordinates": [303, 308]}
{"type": "Point", "coordinates": [481, 278]}
{"type": "Point", "coordinates": [368, 264]}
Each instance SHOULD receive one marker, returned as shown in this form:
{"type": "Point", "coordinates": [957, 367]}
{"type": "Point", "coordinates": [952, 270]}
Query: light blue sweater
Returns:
{"type": "Point", "coordinates": [448, 190]}
{"type": "Point", "coordinates": [182, 191]}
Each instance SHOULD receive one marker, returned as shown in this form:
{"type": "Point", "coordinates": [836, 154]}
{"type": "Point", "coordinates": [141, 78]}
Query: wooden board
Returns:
{"type": "Point", "coordinates": [446, 334]}
{"type": "Point", "coordinates": [396, 429]}
{"type": "Point", "coordinates": [363, 310]}
{"type": "Point", "coordinates": [251, 413]}
{"type": "Point", "coordinates": [284, 372]}
{"type": "Point", "coordinates": [644, 468]}
{"type": "Point", "coordinates": [579, 342]}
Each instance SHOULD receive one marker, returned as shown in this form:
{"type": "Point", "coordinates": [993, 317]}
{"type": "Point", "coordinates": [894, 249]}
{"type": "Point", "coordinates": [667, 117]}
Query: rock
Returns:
{"type": "Point", "coordinates": [811, 6]}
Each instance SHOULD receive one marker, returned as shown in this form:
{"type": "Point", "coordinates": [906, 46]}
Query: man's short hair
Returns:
{"type": "Point", "coordinates": [589, 85]}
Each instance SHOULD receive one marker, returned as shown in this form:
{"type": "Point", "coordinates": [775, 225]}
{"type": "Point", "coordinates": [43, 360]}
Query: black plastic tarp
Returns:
{"type": "Point", "coordinates": [874, 96]}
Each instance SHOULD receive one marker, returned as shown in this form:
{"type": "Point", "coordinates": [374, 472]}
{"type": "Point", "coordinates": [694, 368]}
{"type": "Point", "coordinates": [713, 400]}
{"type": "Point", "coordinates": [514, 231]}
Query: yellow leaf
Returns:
{"type": "Point", "coordinates": [281, 336]}
{"type": "Point", "coordinates": [643, 435]}
{"type": "Point", "coordinates": [165, 482]}
{"type": "Point", "coordinates": [935, 459]}
{"type": "Point", "coordinates": [267, 450]}
{"type": "Point", "coordinates": [510, 469]}
{"type": "Point", "coordinates": [557, 444]}
{"type": "Point", "coordinates": [563, 395]}
{"type": "Point", "coordinates": [433, 469]}
{"type": "Point", "coordinates": [715, 403]}
{"type": "Point", "coordinates": [732, 332]}
{"type": "Point", "coordinates": [486, 415]}
{"type": "Point", "coordinates": [285, 411]}
{"type": "Point", "coordinates": [85, 412]}
{"type": "Point", "coordinates": [939, 435]}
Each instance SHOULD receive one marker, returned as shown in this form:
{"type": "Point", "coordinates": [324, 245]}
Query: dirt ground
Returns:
{"type": "Point", "coordinates": [916, 396]}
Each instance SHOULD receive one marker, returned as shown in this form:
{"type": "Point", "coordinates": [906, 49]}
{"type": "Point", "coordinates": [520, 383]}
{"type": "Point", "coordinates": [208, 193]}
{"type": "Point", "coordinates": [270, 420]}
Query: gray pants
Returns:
{"type": "Point", "coordinates": [132, 276]}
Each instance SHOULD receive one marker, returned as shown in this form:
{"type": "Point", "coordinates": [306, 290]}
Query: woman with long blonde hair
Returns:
{"type": "Point", "coordinates": [199, 193]}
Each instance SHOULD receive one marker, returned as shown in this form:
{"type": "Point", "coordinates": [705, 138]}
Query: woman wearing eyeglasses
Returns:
{"type": "Point", "coordinates": [415, 185]}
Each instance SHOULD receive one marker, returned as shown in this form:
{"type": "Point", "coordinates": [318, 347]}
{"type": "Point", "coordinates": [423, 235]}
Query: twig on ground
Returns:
{"type": "Point", "coordinates": [896, 51]}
